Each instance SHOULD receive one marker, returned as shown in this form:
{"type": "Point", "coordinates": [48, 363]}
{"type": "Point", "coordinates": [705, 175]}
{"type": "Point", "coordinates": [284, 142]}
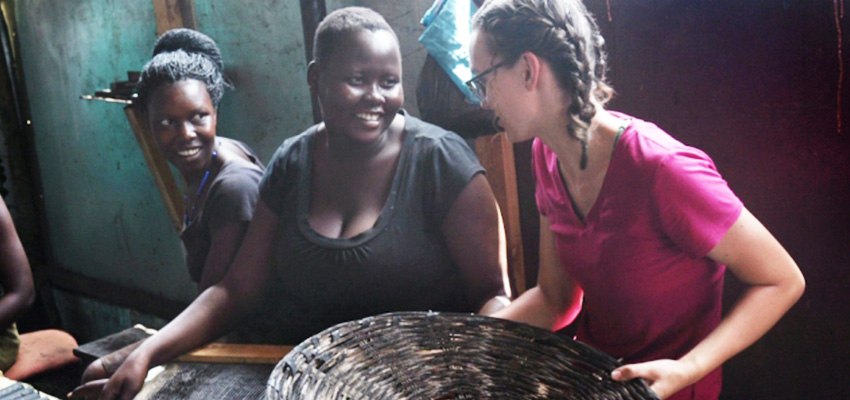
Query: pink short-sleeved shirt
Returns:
{"type": "Point", "coordinates": [650, 292]}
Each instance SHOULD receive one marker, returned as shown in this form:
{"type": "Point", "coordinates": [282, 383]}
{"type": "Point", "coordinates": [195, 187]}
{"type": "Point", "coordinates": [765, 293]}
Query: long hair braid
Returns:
{"type": "Point", "coordinates": [563, 33]}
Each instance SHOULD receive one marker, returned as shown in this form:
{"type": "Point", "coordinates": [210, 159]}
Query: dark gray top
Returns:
{"type": "Point", "coordinates": [400, 264]}
{"type": "Point", "coordinates": [232, 196]}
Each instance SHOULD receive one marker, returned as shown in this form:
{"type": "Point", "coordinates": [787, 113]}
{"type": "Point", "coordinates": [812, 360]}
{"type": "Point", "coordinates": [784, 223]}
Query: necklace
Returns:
{"type": "Point", "coordinates": [583, 160]}
{"type": "Point", "coordinates": [186, 214]}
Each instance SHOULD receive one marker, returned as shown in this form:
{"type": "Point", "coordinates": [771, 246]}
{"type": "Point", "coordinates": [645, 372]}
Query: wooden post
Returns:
{"type": "Point", "coordinates": [159, 168]}
{"type": "Point", "coordinates": [172, 14]}
{"type": "Point", "coordinates": [496, 154]}
{"type": "Point", "coordinates": [169, 14]}
{"type": "Point", "coordinates": [312, 12]}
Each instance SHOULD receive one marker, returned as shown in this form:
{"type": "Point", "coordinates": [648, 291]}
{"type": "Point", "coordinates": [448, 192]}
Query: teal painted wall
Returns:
{"type": "Point", "coordinates": [105, 216]}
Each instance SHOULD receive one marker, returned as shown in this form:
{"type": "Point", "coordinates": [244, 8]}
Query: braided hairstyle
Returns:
{"type": "Point", "coordinates": [341, 24]}
{"type": "Point", "coordinates": [182, 54]}
{"type": "Point", "coordinates": [563, 33]}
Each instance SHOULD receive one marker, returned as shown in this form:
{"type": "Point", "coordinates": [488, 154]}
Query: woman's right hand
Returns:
{"type": "Point", "coordinates": [95, 371]}
{"type": "Point", "coordinates": [94, 379]}
{"type": "Point", "coordinates": [124, 384]}
{"type": "Point", "coordinates": [127, 380]}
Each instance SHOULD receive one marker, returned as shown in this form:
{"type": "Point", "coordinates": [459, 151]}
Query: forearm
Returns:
{"type": "Point", "coordinates": [214, 313]}
{"type": "Point", "coordinates": [775, 284]}
{"type": "Point", "coordinates": [534, 308]}
{"type": "Point", "coordinates": [759, 309]}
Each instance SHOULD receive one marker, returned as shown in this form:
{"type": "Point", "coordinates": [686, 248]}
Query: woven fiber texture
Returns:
{"type": "Point", "coordinates": [419, 355]}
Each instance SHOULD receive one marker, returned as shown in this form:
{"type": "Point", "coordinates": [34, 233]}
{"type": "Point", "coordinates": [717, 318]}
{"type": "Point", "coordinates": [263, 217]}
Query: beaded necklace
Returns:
{"type": "Point", "coordinates": [186, 214]}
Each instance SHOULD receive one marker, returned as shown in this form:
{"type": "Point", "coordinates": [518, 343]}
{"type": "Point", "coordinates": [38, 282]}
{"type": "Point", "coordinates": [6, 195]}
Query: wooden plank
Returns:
{"type": "Point", "coordinates": [171, 14]}
{"type": "Point", "coordinates": [197, 381]}
{"type": "Point", "coordinates": [162, 175]}
{"type": "Point", "coordinates": [237, 354]}
{"type": "Point", "coordinates": [112, 293]}
{"type": "Point", "coordinates": [312, 12]}
{"type": "Point", "coordinates": [496, 154]}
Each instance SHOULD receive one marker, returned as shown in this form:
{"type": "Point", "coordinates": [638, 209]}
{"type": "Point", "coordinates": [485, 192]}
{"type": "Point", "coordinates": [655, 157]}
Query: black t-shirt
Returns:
{"type": "Point", "coordinates": [231, 198]}
{"type": "Point", "coordinates": [401, 264]}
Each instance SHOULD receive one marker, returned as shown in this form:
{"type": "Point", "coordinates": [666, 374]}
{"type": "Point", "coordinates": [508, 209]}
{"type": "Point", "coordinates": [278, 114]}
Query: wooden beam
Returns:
{"type": "Point", "coordinates": [111, 293]}
{"type": "Point", "coordinates": [162, 175]}
{"type": "Point", "coordinates": [171, 14]}
{"type": "Point", "coordinates": [312, 12]}
{"type": "Point", "coordinates": [496, 154]}
{"type": "Point", "coordinates": [237, 354]}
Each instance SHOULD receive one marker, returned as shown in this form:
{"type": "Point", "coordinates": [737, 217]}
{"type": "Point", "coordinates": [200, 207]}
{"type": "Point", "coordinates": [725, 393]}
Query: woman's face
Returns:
{"type": "Point", "coordinates": [183, 120]}
{"type": "Point", "coordinates": [359, 87]}
{"type": "Point", "coordinates": [503, 86]}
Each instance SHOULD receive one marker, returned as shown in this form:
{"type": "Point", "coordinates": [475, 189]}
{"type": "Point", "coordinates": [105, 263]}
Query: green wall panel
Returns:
{"type": "Point", "coordinates": [263, 50]}
{"type": "Point", "coordinates": [104, 213]}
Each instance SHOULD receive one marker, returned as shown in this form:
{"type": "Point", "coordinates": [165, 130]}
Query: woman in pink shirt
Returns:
{"type": "Point", "coordinates": [636, 228]}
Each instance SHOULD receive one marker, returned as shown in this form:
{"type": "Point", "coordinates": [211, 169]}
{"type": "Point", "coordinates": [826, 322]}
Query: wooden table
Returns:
{"type": "Point", "coordinates": [226, 371]}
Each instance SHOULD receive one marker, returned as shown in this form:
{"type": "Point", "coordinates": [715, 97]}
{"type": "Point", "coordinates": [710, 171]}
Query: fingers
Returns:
{"type": "Point", "coordinates": [94, 371]}
{"type": "Point", "coordinates": [89, 390]}
{"type": "Point", "coordinates": [114, 389]}
{"type": "Point", "coordinates": [632, 371]}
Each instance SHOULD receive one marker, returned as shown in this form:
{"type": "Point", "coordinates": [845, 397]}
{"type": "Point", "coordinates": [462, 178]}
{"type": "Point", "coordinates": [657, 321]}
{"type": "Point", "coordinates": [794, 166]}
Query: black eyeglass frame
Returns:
{"type": "Point", "coordinates": [479, 88]}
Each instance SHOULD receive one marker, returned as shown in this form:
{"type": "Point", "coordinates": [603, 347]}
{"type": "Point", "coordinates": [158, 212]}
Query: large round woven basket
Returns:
{"type": "Point", "coordinates": [419, 355]}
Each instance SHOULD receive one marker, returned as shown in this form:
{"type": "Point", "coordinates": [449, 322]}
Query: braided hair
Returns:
{"type": "Point", "coordinates": [563, 33]}
{"type": "Point", "coordinates": [182, 54]}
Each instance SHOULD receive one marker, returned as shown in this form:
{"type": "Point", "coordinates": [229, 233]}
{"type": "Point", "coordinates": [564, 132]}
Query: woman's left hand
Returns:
{"type": "Point", "coordinates": [664, 377]}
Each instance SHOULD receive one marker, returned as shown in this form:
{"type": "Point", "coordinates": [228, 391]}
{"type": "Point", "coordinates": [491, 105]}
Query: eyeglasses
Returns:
{"type": "Point", "coordinates": [478, 86]}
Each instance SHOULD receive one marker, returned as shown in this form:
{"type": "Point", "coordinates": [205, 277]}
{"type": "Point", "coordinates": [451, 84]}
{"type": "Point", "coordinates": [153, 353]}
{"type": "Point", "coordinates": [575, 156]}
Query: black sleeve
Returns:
{"type": "Point", "coordinates": [233, 198]}
{"type": "Point", "coordinates": [281, 173]}
{"type": "Point", "coordinates": [449, 166]}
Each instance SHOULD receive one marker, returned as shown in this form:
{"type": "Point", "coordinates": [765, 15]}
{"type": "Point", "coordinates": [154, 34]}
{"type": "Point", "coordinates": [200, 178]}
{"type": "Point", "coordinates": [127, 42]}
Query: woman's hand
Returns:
{"type": "Point", "coordinates": [94, 379]}
{"type": "Point", "coordinates": [127, 380]}
{"type": "Point", "coordinates": [95, 371]}
{"type": "Point", "coordinates": [664, 377]}
{"type": "Point", "coordinates": [123, 385]}
{"type": "Point", "coordinates": [89, 390]}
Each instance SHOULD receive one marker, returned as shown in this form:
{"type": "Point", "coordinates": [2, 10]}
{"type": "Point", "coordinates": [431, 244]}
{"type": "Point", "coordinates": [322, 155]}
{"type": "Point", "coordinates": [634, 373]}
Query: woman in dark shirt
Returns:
{"type": "Point", "coordinates": [179, 92]}
{"type": "Point", "coordinates": [370, 211]}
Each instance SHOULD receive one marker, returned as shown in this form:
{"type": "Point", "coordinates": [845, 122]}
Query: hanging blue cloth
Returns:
{"type": "Point", "coordinates": [446, 37]}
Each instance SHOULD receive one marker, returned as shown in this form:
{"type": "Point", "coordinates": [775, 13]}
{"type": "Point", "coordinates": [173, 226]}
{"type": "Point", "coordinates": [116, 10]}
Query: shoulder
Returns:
{"type": "Point", "coordinates": [293, 147]}
{"type": "Point", "coordinates": [651, 150]}
{"type": "Point", "coordinates": [238, 172]}
{"type": "Point", "coordinates": [237, 179]}
{"type": "Point", "coordinates": [429, 138]}
{"type": "Point", "coordinates": [246, 151]}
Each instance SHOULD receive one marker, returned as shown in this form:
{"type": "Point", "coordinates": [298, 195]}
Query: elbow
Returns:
{"type": "Point", "coordinates": [26, 298]}
{"type": "Point", "coordinates": [797, 286]}
{"type": "Point", "coordinates": [29, 297]}
{"type": "Point", "coordinates": [564, 307]}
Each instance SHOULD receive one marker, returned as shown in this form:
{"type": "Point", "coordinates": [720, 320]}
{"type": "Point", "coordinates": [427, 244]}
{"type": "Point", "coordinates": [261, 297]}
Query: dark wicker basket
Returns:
{"type": "Point", "coordinates": [418, 355]}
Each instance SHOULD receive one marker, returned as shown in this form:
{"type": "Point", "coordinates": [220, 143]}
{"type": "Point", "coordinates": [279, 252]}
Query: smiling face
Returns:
{"type": "Point", "coordinates": [359, 85]}
{"type": "Point", "coordinates": [183, 121]}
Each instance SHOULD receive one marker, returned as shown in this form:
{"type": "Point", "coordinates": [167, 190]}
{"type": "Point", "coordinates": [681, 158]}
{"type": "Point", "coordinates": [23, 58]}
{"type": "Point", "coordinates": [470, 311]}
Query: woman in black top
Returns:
{"type": "Point", "coordinates": [179, 92]}
{"type": "Point", "coordinates": [370, 211]}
